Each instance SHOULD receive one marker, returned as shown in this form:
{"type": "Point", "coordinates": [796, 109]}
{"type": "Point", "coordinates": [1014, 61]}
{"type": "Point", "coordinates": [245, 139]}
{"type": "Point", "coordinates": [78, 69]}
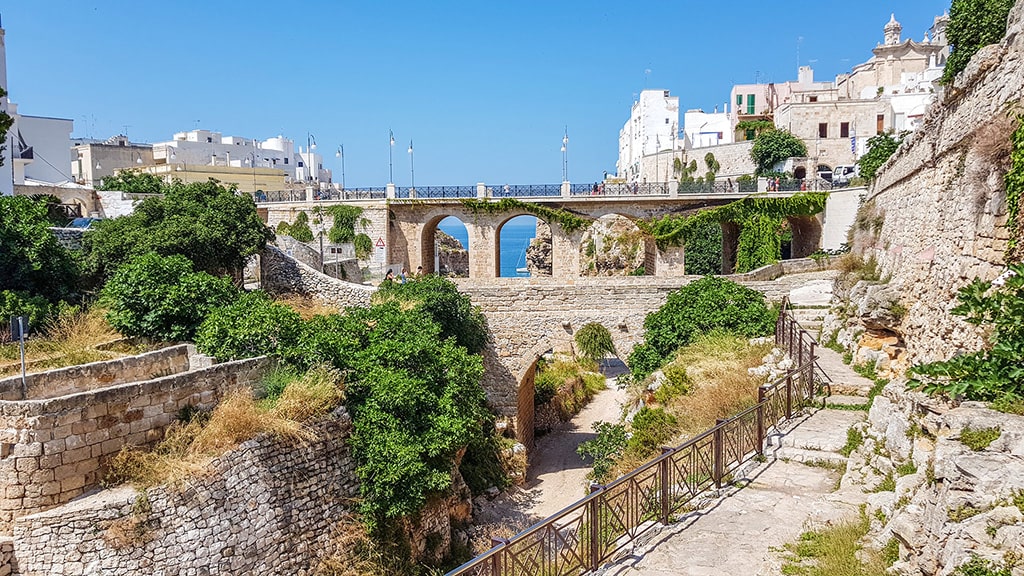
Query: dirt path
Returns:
{"type": "Point", "coordinates": [557, 475]}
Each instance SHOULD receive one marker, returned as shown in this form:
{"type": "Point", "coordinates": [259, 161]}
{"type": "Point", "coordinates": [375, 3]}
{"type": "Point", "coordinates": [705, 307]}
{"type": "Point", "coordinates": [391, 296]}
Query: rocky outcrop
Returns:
{"type": "Point", "coordinates": [452, 256]}
{"type": "Point", "coordinates": [937, 499]}
{"type": "Point", "coordinates": [539, 252]}
{"type": "Point", "coordinates": [612, 246]}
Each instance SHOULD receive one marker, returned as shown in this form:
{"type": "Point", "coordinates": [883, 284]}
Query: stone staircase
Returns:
{"type": "Point", "coordinates": [810, 318]}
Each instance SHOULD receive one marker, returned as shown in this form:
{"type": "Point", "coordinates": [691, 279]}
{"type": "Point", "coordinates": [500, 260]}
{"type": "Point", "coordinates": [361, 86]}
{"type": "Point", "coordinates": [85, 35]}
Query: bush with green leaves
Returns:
{"type": "Point", "coordinates": [652, 428]}
{"type": "Point", "coordinates": [708, 304]}
{"type": "Point", "coordinates": [415, 400]}
{"type": "Point", "coordinates": [995, 373]}
{"type": "Point", "coordinates": [205, 222]}
{"type": "Point", "coordinates": [880, 148]}
{"type": "Point", "coordinates": [346, 218]}
{"type": "Point", "coordinates": [594, 341]}
{"type": "Point", "coordinates": [37, 308]}
{"type": "Point", "coordinates": [251, 325]}
{"type": "Point", "coordinates": [299, 229]}
{"type": "Point", "coordinates": [363, 246]}
{"type": "Point", "coordinates": [773, 146]}
{"type": "Point", "coordinates": [606, 446]}
{"type": "Point", "coordinates": [31, 259]}
{"type": "Point", "coordinates": [162, 297]}
{"type": "Point", "coordinates": [442, 301]}
{"type": "Point", "coordinates": [973, 24]}
{"type": "Point", "coordinates": [134, 182]}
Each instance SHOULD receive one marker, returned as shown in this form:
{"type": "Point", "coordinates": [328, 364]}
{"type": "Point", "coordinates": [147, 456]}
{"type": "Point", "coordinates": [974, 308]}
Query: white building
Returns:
{"type": "Point", "coordinates": [652, 128]}
{"type": "Point", "coordinates": [702, 129]}
{"type": "Point", "coordinates": [206, 148]}
{"type": "Point", "coordinates": [40, 147]}
{"type": "Point", "coordinates": [7, 167]}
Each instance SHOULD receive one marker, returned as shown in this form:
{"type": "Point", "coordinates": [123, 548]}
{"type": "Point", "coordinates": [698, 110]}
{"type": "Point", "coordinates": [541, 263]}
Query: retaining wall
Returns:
{"type": "Point", "coordinates": [73, 379]}
{"type": "Point", "coordinates": [54, 449]}
{"type": "Point", "coordinates": [280, 274]}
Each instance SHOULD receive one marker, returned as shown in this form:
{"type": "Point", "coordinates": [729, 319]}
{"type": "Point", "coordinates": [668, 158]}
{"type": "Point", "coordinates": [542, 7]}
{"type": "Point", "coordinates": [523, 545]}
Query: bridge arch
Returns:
{"type": "Point", "coordinates": [429, 257]}
{"type": "Point", "coordinates": [501, 243]}
{"type": "Point", "coordinates": [612, 221]}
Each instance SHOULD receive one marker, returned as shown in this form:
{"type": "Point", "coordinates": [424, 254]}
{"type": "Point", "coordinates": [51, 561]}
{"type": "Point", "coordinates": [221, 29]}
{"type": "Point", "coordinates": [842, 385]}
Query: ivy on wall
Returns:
{"type": "Point", "coordinates": [567, 220]}
{"type": "Point", "coordinates": [760, 220]}
{"type": "Point", "coordinates": [1014, 180]}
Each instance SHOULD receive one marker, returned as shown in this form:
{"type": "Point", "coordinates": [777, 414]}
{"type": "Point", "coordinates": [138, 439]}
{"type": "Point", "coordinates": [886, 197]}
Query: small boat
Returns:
{"type": "Point", "coordinates": [522, 270]}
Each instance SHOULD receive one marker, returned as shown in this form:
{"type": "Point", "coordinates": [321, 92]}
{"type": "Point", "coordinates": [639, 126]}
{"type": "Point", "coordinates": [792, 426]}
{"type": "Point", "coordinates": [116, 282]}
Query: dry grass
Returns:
{"type": "Point", "coordinates": [68, 340]}
{"type": "Point", "coordinates": [307, 307]}
{"type": "Point", "coordinates": [357, 553]}
{"type": "Point", "coordinates": [189, 447]}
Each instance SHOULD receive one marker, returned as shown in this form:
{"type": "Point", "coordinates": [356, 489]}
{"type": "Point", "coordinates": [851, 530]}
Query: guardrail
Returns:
{"type": "Point", "coordinates": [620, 189]}
{"type": "Point", "coordinates": [585, 535]}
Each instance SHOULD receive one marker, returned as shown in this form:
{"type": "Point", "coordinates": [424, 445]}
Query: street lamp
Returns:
{"type": "Point", "coordinates": [252, 163]}
{"type": "Point", "coordinates": [391, 152]}
{"type": "Point", "coordinates": [310, 146]}
{"type": "Point", "coordinates": [565, 155]}
{"type": "Point", "coordinates": [138, 157]}
{"type": "Point", "coordinates": [412, 169]}
{"type": "Point", "coordinates": [341, 154]}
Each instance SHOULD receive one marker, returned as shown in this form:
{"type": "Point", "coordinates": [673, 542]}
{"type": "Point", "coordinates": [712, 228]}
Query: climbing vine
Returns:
{"type": "Point", "coordinates": [345, 220]}
{"type": "Point", "coordinates": [760, 221]}
{"type": "Point", "coordinates": [1014, 187]}
{"type": "Point", "coordinates": [567, 220]}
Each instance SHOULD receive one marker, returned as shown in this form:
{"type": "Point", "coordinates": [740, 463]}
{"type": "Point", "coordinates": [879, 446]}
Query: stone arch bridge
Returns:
{"type": "Point", "coordinates": [529, 317]}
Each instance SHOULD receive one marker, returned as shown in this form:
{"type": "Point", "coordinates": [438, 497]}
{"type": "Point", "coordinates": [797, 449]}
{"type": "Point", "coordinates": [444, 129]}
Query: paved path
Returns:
{"type": "Point", "coordinates": [740, 533]}
{"type": "Point", "coordinates": [557, 475]}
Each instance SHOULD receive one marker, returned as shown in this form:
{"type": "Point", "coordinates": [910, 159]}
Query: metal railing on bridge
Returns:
{"type": "Point", "coordinates": [596, 529]}
{"type": "Point", "coordinates": [525, 190]}
{"type": "Point", "coordinates": [621, 189]}
{"type": "Point", "coordinates": [436, 192]}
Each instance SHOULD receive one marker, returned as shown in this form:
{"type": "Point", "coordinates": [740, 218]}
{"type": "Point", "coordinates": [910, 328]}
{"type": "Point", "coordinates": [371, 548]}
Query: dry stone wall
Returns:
{"type": "Point", "coordinates": [54, 449]}
{"type": "Point", "coordinates": [271, 506]}
{"type": "Point", "coordinates": [942, 202]}
{"type": "Point", "coordinates": [281, 274]}
{"type": "Point", "coordinates": [81, 378]}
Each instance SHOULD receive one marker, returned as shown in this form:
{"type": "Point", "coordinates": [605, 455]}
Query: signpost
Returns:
{"type": "Point", "coordinates": [19, 331]}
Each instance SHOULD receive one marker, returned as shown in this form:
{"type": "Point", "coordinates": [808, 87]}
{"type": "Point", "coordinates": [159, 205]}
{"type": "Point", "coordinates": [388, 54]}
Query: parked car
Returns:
{"type": "Point", "coordinates": [841, 175]}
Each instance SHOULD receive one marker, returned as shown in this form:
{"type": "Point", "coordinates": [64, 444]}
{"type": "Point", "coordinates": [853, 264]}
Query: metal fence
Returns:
{"type": "Point", "coordinates": [524, 190]}
{"type": "Point", "coordinates": [595, 529]}
{"type": "Point", "coordinates": [620, 189]}
{"type": "Point", "coordinates": [436, 192]}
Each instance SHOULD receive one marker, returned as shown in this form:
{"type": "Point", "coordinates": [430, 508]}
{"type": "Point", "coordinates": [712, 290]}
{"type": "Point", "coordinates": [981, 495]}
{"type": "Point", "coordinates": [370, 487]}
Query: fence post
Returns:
{"type": "Point", "coordinates": [789, 395]}
{"type": "Point", "coordinates": [790, 323]}
{"type": "Point", "coordinates": [664, 469]}
{"type": "Point", "coordinates": [496, 559]}
{"type": "Point", "coordinates": [811, 361]}
{"type": "Point", "coordinates": [719, 453]}
{"type": "Point", "coordinates": [761, 393]}
{"type": "Point", "coordinates": [595, 526]}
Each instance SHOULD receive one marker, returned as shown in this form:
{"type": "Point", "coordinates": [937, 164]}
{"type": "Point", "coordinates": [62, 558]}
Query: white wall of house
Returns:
{"type": "Point", "coordinates": [703, 129]}
{"type": "Point", "coordinates": [50, 139]}
{"type": "Point", "coordinates": [652, 127]}
{"type": "Point", "coordinates": [7, 169]}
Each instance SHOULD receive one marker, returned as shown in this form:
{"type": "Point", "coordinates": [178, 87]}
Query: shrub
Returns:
{"type": "Point", "coordinates": [994, 374]}
{"type": "Point", "coordinates": [774, 146]}
{"type": "Point", "coordinates": [12, 303]}
{"type": "Point", "coordinates": [594, 341]}
{"type": "Point", "coordinates": [482, 465]}
{"type": "Point", "coordinates": [252, 325]}
{"type": "Point", "coordinates": [708, 304]}
{"type": "Point", "coordinates": [880, 148]}
{"type": "Point", "coordinates": [979, 438]}
{"type": "Point", "coordinates": [652, 427]}
{"type": "Point", "coordinates": [442, 301]}
{"type": "Point", "coordinates": [973, 24]}
{"type": "Point", "coordinates": [31, 259]}
{"type": "Point", "coordinates": [363, 246]}
{"type": "Point", "coordinates": [606, 446]}
{"type": "Point", "coordinates": [300, 228]}
{"type": "Point", "coordinates": [161, 297]}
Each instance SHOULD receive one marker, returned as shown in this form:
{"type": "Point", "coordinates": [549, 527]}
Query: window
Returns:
{"type": "Point", "coordinates": [739, 99]}
{"type": "Point", "coordinates": [844, 129]}
{"type": "Point", "coordinates": [285, 160]}
{"type": "Point", "coordinates": [823, 130]}
{"type": "Point", "coordinates": [666, 120]}
{"type": "Point", "coordinates": [880, 124]}
{"type": "Point", "coordinates": [812, 98]}
{"type": "Point", "coordinates": [750, 103]}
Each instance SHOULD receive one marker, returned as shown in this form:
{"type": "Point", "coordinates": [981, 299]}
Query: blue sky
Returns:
{"type": "Point", "coordinates": [484, 89]}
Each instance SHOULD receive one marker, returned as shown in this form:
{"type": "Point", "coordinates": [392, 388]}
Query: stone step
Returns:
{"type": "Point", "coordinates": [806, 456]}
{"type": "Point", "coordinates": [846, 400]}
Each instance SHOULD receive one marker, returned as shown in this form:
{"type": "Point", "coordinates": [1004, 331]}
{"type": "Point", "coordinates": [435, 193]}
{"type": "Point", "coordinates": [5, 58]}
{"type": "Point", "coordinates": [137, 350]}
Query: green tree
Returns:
{"type": "Point", "coordinates": [161, 297]}
{"type": "Point", "coordinates": [973, 24]}
{"type": "Point", "coordinates": [708, 304]}
{"type": "Point", "coordinates": [252, 325]}
{"type": "Point", "coordinates": [441, 300]}
{"type": "Point", "coordinates": [774, 146]}
{"type": "Point", "coordinates": [880, 148]}
{"type": "Point", "coordinates": [299, 229]}
{"type": "Point", "coordinates": [415, 399]}
{"type": "Point", "coordinates": [207, 223]}
{"type": "Point", "coordinates": [31, 259]}
{"type": "Point", "coordinates": [134, 182]}
{"type": "Point", "coordinates": [605, 448]}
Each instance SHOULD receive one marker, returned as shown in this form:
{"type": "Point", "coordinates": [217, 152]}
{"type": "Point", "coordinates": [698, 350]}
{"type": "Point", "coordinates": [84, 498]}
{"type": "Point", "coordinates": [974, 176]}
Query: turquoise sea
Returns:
{"type": "Point", "coordinates": [516, 235]}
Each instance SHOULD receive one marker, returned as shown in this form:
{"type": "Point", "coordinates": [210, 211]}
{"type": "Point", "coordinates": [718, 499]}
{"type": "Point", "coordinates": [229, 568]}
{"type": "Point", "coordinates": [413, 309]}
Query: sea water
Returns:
{"type": "Point", "coordinates": [516, 235]}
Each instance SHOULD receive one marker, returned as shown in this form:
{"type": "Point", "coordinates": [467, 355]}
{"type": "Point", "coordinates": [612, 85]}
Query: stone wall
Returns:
{"type": "Point", "coordinates": [733, 159]}
{"type": "Point", "coordinates": [84, 377]}
{"type": "Point", "coordinates": [949, 501]}
{"type": "Point", "coordinates": [6, 555]}
{"type": "Point", "coordinates": [299, 251]}
{"type": "Point", "coordinates": [70, 238]}
{"type": "Point", "coordinates": [271, 506]}
{"type": "Point", "coordinates": [54, 449]}
{"type": "Point", "coordinates": [280, 274]}
{"type": "Point", "coordinates": [943, 204]}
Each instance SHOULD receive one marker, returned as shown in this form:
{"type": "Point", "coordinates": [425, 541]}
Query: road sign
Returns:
{"type": "Point", "coordinates": [380, 242]}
